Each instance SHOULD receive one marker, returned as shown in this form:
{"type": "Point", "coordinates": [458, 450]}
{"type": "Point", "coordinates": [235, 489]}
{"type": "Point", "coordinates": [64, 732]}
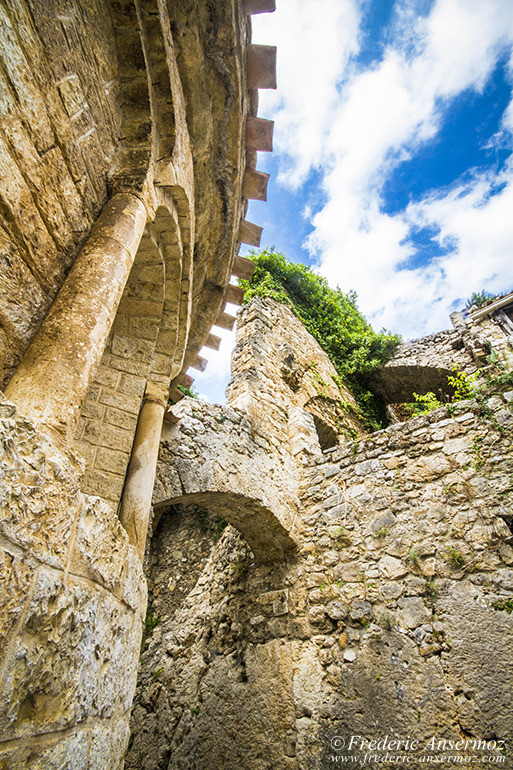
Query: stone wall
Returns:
{"type": "Point", "coordinates": [72, 606]}
{"type": "Point", "coordinates": [58, 135]}
{"type": "Point", "coordinates": [277, 367]}
{"type": "Point", "coordinates": [392, 618]}
{"type": "Point", "coordinates": [214, 456]}
{"type": "Point", "coordinates": [125, 179]}
{"type": "Point", "coordinates": [477, 343]}
{"type": "Point", "coordinates": [423, 365]}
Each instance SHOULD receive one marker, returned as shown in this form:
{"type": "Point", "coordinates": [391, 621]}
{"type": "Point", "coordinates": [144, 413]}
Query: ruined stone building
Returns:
{"type": "Point", "coordinates": [363, 586]}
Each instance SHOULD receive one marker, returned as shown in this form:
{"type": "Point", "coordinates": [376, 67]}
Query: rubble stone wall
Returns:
{"type": "Point", "coordinates": [277, 366]}
{"type": "Point", "coordinates": [393, 619]}
{"type": "Point", "coordinates": [213, 455]}
{"type": "Point", "coordinates": [72, 606]}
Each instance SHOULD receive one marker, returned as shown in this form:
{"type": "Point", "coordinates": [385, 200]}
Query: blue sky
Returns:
{"type": "Point", "coordinates": [393, 168]}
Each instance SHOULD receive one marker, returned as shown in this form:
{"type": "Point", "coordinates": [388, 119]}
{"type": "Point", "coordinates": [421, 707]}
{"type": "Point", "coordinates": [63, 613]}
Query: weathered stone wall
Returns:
{"type": "Point", "coordinates": [125, 182]}
{"type": "Point", "coordinates": [423, 365]}
{"type": "Point", "coordinates": [72, 604]}
{"type": "Point", "coordinates": [59, 132]}
{"type": "Point", "coordinates": [214, 456]}
{"type": "Point", "coordinates": [483, 336]}
{"type": "Point", "coordinates": [394, 619]}
{"type": "Point", "coordinates": [277, 367]}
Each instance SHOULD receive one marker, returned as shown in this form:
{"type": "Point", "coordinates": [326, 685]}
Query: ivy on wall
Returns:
{"type": "Point", "coordinates": [333, 318]}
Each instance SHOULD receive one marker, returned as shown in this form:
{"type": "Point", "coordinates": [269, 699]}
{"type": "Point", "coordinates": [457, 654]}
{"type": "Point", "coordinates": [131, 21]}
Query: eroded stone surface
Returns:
{"type": "Point", "coordinates": [71, 608]}
{"type": "Point", "coordinates": [393, 617]}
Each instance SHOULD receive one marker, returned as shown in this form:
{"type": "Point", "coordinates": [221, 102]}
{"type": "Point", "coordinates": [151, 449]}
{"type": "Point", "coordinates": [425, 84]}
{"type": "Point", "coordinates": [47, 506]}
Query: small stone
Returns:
{"type": "Point", "coordinates": [337, 610]}
{"type": "Point", "coordinates": [391, 567]}
{"type": "Point", "coordinates": [342, 640]}
{"type": "Point", "coordinates": [7, 411]}
{"type": "Point", "coordinates": [360, 610]}
{"type": "Point", "coordinates": [412, 612]}
{"type": "Point", "coordinates": [349, 656]}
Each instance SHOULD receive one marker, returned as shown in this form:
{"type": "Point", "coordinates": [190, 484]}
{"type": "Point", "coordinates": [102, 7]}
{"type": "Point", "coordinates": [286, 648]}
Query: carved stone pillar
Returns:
{"type": "Point", "coordinates": [52, 380]}
{"type": "Point", "coordinates": [137, 493]}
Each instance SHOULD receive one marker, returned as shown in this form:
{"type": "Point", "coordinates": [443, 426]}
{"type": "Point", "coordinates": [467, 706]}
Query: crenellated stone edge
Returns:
{"type": "Point", "coordinates": [260, 73]}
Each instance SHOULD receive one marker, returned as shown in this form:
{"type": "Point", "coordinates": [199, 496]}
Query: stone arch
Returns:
{"type": "Point", "coordinates": [263, 532]}
{"type": "Point", "coordinates": [108, 421]}
{"type": "Point", "coordinates": [211, 456]}
{"type": "Point", "coordinates": [172, 237]}
{"type": "Point", "coordinates": [133, 160]}
{"type": "Point", "coordinates": [397, 383]}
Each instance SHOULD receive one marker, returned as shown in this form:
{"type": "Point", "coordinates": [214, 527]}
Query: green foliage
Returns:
{"type": "Point", "coordinates": [462, 384]}
{"type": "Point", "coordinates": [151, 620]}
{"type": "Point", "coordinates": [386, 622]}
{"type": "Point", "coordinates": [425, 403]}
{"type": "Point", "coordinates": [191, 392]}
{"type": "Point", "coordinates": [430, 587]}
{"type": "Point", "coordinates": [503, 604]}
{"type": "Point", "coordinates": [413, 557]}
{"type": "Point", "coordinates": [454, 557]}
{"type": "Point", "coordinates": [211, 523]}
{"type": "Point", "coordinates": [186, 391]}
{"type": "Point", "coordinates": [480, 298]}
{"type": "Point", "coordinates": [333, 318]}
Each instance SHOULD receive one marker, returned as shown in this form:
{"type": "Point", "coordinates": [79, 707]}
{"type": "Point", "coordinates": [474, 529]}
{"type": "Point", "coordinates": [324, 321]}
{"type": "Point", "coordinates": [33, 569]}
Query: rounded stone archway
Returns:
{"type": "Point", "coordinates": [213, 457]}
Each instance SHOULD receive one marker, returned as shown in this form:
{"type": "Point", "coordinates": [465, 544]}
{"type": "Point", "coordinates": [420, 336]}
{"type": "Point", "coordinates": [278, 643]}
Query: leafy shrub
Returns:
{"type": "Point", "coordinates": [463, 385]}
{"type": "Point", "coordinates": [480, 298]}
{"type": "Point", "coordinates": [333, 318]}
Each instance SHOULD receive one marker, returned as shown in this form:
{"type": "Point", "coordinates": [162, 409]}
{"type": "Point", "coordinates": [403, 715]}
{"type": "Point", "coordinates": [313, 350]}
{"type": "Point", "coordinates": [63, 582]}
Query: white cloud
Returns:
{"type": "Point", "coordinates": [315, 42]}
{"type": "Point", "coordinates": [357, 126]}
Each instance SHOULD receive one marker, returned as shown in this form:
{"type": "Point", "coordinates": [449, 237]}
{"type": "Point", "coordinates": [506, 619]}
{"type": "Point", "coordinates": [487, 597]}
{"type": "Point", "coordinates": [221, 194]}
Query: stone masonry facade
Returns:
{"type": "Point", "coordinates": [128, 143]}
{"type": "Point", "coordinates": [391, 617]}
{"type": "Point", "coordinates": [307, 582]}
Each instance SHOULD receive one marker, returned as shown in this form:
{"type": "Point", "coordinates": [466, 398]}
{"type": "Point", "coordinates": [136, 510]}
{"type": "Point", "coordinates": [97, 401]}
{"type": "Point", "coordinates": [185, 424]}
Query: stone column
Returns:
{"type": "Point", "coordinates": [137, 493]}
{"type": "Point", "coordinates": [52, 380]}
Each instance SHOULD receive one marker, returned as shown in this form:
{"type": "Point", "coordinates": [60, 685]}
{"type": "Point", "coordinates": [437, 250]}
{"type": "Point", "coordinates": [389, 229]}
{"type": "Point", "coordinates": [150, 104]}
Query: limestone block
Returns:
{"type": "Point", "coordinates": [259, 134]}
{"type": "Point", "coordinates": [68, 751]}
{"type": "Point", "coordinates": [254, 186]}
{"type": "Point", "coordinates": [308, 675]}
{"type": "Point", "coordinates": [101, 545]}
{"type": "Point", "coordinates": [261, 66]}
{"type": "Point", "coordinates": [412, 612]}
{"type": "Point", "coordinates": [15, 582]}
{"type": "Point", "coordinates": [390, 567]}
{"type": "Point", "coordinates": [38, 491]}
{"type": "Point", "coordinates": [75, 656]}
{"type": "Point", "coordinates": [108, 745]}
{"type": "Point", "coordinates": [428, 468]}
{"type": "Point", "coordinates": [259, 6]}
{"type": "Point", "coordinates": [476, 667]}
{"type": "Point", "coordinates": [251, 234]}
{"type": "Point", "coordinates": [133, 584]}
{"type": "Point", "coordinates": [456, 445]}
